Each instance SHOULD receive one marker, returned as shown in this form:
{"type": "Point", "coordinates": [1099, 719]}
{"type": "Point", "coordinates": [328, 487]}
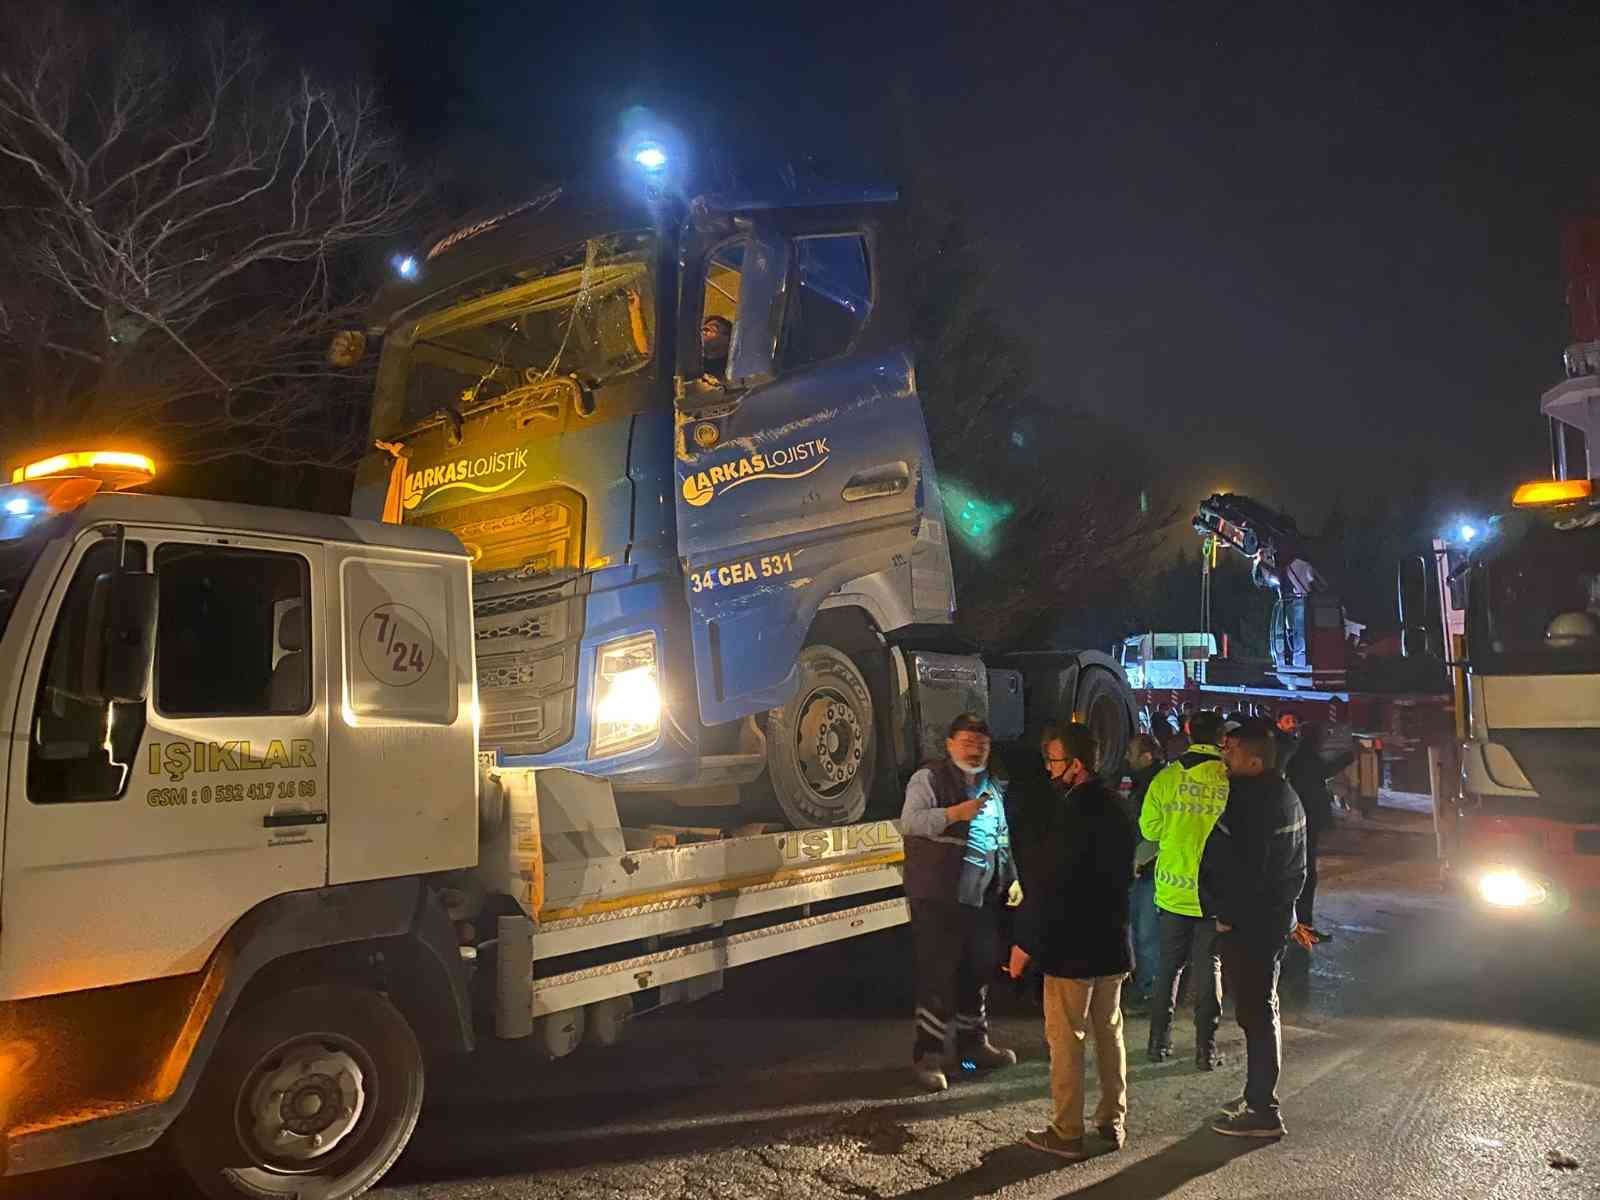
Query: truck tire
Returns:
{"type": "Point", "coordinates": [822, 745]}
{"type": "Point", "coordinates": [311, 1094]}
{"type": "Point", "coordinates": [1102, 705]}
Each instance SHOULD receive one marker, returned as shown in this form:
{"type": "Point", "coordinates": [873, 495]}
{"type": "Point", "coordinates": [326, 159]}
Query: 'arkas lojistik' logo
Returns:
{"type": "Point", "coordinates": [464, 473]}
{"type": "Point", "coordinates": [789, 462]}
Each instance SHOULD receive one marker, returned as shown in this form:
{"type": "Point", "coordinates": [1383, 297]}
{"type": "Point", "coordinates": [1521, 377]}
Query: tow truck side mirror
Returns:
{"type": "Point", "coordinates": [763, 289]}
{"type": "Point", "coordinates": [120, 648]}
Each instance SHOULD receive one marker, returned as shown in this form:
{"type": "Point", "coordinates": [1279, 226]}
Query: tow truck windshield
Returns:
{"type": "Point", "coordinates": [1536, 604]}
{"type": "Point", "coordinates": [586, 314]}
{"type": "Point", "coordinates": [23, 535]}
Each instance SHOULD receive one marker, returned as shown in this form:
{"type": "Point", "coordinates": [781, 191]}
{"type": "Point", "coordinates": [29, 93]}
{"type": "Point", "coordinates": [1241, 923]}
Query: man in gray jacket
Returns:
{"type": "Point", "coordinates": [959, 872]}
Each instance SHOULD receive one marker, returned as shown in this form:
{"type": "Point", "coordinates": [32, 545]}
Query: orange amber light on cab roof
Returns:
{"type": "Point", "coordinates": [116, 469]}
{"type": "Point", "coordinates": [1552, 491]}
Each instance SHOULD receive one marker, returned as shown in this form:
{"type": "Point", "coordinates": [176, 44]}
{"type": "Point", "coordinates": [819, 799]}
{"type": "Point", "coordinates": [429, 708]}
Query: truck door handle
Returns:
{"type": "Point", "coordinates": [281, 820]}
{"type": "Point", "coordinates": [885, 479]}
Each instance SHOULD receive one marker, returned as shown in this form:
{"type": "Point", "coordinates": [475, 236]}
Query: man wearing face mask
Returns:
{"type": "Point", "coordinates": [1074, 925]}
{"type": "Point", "coordinates": [959, 872]}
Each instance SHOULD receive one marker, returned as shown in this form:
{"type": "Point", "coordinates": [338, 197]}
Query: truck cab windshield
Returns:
{"type": "Point", "coordinates": [21, 540]}
{"type": "Point", "coordinates": [584, 314]}
{"type": "Point", "coordinates": [1537, 605]}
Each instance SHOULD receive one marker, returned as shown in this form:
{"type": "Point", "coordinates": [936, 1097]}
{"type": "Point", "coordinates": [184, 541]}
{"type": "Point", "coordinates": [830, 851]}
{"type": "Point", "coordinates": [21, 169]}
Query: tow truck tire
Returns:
{"type": "Point", "coordinates": [1102, 706]}
{"type": "Point", "coordinates": [311, 1094]}
{"type": "Point", "coordinates": [822, 745]}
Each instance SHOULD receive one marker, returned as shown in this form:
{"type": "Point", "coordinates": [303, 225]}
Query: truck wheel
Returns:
{"type": "Point", "coordinates": [1101, 707]}
{"type": "Point", "coordinates": [311, 1094]}
{"type": "Point", "coordinates": [821, 746]}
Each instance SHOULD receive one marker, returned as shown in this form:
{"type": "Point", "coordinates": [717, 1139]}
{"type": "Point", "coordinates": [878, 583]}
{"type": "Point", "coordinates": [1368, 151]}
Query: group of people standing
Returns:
{"type": "Point", "coordinates": [1200, 871]}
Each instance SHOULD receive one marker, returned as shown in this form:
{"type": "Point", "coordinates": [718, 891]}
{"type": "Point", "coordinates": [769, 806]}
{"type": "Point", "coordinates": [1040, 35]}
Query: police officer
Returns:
{"type": "Point", "coordinates": [1181, 805]}
{"type": "Point", "coordinates": [959, 875]}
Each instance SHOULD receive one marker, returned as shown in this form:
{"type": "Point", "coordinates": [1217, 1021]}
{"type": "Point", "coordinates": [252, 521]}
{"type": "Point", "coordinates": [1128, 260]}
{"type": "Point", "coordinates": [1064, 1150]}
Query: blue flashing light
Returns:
{"type": "Point", "coordinates": [18, 507]}
{"type": "Point", "coordinates": [651, 157]}
{"type": "Point", "coordinates": [1468, 532]}
{"type": "Point", "coordinates": [407, 266]}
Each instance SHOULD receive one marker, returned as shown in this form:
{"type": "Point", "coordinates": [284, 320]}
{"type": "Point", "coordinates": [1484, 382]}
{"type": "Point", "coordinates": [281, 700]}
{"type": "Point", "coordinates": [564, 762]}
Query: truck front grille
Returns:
{"type": "Point", "coordinates": [528, 663]}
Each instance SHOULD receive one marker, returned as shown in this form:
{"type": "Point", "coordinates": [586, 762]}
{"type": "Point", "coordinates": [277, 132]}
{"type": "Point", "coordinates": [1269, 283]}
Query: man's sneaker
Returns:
{"type": "Point", "coordinates": [1112, 1134]}
{"type": "Point", "coordinates": [929, 1075]}
{"type": "Point", "coordinates": [1209, 1058]}
{"type": "Point", "coordinates": [1251, 1123]}
{"type": "Point", "coordinates": [985, 1056]}
{"type": "Point", "coordinates": [1158, 1054]}
{"type": "Point", "coordinates": [1051, 1142]}
{"type": "Point", "coordinates": [1234, 1107]}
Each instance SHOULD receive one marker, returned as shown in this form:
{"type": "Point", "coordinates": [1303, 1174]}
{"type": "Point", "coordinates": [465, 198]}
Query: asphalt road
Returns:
{"type": "Point", "coordinates": [1422, 1060]}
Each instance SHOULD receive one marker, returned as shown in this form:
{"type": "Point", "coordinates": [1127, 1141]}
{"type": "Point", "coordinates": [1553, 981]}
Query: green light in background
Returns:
{"type": "Point", "coordinates": [973, 518]}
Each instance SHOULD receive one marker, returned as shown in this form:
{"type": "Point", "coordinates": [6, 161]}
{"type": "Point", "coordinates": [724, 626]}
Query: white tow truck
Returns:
{"type": "Point", "coordinates": [256, 873]}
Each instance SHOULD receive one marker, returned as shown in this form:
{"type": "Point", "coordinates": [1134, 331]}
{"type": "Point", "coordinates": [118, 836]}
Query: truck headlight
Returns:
{"type": "Point", "coordinates": [627, 695]}
{"type": "Point", "coordinates": [1507, 887]}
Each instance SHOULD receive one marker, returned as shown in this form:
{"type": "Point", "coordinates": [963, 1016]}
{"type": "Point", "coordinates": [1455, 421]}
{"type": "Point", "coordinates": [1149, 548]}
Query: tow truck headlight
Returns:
{"type": "Point", "coordinates": [627, 695]}
{"type": "Point", "coordinates": [1507, 887]}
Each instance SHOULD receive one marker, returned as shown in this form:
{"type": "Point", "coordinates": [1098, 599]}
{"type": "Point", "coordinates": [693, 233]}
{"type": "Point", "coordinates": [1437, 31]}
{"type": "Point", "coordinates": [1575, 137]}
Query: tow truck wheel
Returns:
{"type": "Point", "coordinates": [311, 1094]}
{"type": "Point", "coordinates": [821, 747]}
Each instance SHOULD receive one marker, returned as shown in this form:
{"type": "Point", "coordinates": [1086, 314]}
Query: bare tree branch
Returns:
{"type": "Point", "coordinates": [188, 225]}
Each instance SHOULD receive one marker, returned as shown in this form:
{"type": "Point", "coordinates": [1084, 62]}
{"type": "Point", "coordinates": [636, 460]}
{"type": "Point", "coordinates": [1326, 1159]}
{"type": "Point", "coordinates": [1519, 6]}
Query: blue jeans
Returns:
{"type": "Point", "coordinates": [1146, 934]}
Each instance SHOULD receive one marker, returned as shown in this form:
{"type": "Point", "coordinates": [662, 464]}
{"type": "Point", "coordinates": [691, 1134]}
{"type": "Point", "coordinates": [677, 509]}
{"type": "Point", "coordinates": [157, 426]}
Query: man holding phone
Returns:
{"type": "Point", "coordinates": [959, 874]}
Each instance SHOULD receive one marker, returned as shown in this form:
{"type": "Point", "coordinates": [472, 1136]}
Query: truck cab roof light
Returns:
{"type": "Point", "coordinates": [114, 469]}
{"type": "Point", "coordinates": [1552, 491]}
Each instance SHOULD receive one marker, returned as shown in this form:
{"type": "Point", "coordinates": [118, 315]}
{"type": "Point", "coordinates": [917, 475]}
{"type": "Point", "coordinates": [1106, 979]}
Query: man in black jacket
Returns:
{"type": "Point", "coordinates": [1308, 772]}
{"type": "Point", "coordinates": [1074, 923]}
{"type": "Point", "coordinates": [1250, 877]}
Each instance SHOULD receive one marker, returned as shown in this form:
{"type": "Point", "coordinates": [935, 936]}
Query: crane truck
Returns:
{"type": "Point", "coordinates": [297, 803]}
{"type": "Point", "coordinates": [1394, 708]}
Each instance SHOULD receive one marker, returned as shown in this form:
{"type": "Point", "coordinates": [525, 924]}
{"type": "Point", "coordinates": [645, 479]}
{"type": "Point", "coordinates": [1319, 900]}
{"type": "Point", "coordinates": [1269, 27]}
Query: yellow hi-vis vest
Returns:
{"type": "Point", "coordinates": [1181, 805]}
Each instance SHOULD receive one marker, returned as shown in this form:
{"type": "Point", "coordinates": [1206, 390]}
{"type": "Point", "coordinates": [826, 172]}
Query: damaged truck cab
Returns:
{"type": "Point", "coordinates": [693, 570]}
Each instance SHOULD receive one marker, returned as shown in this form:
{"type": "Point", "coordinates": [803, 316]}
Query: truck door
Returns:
{"type": "Point", "coordinates": [803, 466]}
{"type": "Point", "coordinates": [138, 833]}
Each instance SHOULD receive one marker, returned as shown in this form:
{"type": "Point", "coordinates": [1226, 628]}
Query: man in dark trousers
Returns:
{"type": "Point", "coordinates": [1181, 805]}
{"type": "Point", "coordinates": [1144, 761]}
{"type": "Point", "coordinates": [1074, 924]}
{"type": "Point", "coordinates": [1250, 877]}
{"type": "Point", "coordinates": [1308, 772]}
{"type": "Point", "coordinates": [959, 875]}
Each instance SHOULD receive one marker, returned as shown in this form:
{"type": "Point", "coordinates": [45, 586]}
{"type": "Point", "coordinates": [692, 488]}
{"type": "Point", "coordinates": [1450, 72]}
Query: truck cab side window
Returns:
{"type": "Point", "coordinates": [721, 310]}
{"type": "Point", "coordinates": [232, 637]}
{"type": "Point", "coordinates": [832, 298]}
{"type": "Point", "coordinates": [81, 749]}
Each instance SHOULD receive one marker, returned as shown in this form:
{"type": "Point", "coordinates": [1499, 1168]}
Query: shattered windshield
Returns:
{"type": "Point", "coordinates": [587, 313]}
{"type": "Point", "coordinates": [1537, 604]}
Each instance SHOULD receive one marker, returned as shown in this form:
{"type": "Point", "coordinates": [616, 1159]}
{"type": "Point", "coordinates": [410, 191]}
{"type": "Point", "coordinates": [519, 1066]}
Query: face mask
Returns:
{"type": "Point", "coordinates": [972, 772]}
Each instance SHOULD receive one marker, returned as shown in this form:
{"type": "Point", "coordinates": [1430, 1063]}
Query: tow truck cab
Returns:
{"type": "Point", "coordinates": [239, 741]}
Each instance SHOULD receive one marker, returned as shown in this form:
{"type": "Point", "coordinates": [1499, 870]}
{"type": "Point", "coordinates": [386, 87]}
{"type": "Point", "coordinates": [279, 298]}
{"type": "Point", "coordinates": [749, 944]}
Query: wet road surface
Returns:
{"type": "Point", "coordinates": [1421, 1060]}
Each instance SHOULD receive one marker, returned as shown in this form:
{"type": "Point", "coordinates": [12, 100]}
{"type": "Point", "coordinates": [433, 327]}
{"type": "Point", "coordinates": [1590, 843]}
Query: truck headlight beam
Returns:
{"type": "Point", "coordinates": [627, 695]}
{"type": "Point", "coordinates": [1507, 887]}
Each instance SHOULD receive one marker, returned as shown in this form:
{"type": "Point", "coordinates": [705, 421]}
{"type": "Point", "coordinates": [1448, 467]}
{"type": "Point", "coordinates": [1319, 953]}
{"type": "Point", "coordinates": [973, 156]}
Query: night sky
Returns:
{"type": "Point", "coordinates": [1299, 247]}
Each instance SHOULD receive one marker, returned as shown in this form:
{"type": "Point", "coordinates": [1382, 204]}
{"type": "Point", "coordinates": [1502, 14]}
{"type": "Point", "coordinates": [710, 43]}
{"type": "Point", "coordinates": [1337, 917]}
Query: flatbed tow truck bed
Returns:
{"type": "Point", "coordinates": [613, 922]}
